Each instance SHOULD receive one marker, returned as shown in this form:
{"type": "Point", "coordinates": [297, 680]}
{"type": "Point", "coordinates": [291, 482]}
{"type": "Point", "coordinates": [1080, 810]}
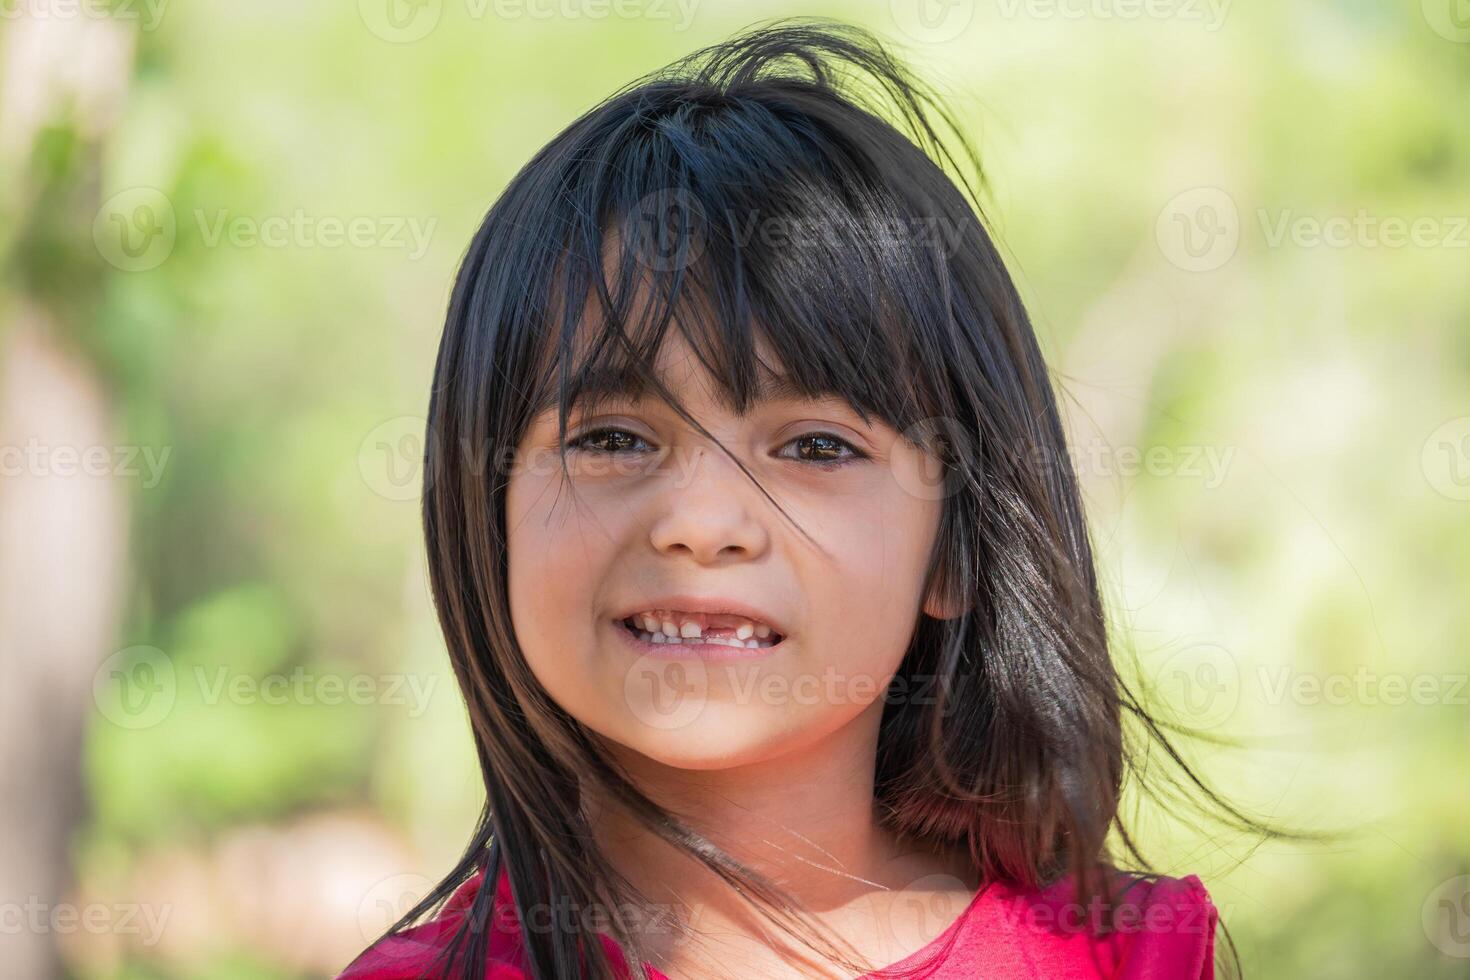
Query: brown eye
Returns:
{"type": "Point", "coordinates": [824, 449]}
{"type": "Point", "coordinates": [606, 441]}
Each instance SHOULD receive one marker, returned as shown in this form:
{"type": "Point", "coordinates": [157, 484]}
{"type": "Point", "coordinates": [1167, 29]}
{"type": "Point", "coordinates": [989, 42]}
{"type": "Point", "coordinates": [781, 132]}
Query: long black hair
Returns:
{"type": "Point", "coordinates": [804, 189]}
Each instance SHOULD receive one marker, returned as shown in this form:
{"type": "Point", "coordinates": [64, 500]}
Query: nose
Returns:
{"type": "Point", "coordinates": [705, 515]}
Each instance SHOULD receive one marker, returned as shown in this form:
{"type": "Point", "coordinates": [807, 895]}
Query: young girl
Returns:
{"type": "Point", "coordinates": [761, 564]}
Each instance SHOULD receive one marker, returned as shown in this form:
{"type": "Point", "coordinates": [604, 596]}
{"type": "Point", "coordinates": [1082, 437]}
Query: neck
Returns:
{"type": "Point", "coordinates": [804, 819]}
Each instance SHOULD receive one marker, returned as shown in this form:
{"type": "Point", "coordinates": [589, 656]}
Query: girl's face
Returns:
{"type": "Point", "coordinates": [660, 512]}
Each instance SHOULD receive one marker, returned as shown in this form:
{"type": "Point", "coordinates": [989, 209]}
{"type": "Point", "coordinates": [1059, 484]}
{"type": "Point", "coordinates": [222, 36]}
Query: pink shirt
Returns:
{"type": "Point", "coordinates": [1164, 929]}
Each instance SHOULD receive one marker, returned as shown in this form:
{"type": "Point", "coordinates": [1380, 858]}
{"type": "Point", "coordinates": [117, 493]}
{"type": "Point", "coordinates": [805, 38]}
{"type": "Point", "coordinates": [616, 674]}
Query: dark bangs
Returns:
{"type": "Point", "coordinates": [800, 247]}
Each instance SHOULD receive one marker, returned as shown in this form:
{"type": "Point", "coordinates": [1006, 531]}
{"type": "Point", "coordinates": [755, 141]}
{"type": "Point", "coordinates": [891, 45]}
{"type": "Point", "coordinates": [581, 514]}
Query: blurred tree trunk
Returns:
{"type": "Point", "coordinates": [62, 537]}
{"type": "Point", "coordinates": [61, 549]}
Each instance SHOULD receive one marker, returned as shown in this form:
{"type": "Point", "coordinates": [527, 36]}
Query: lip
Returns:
{"type": "Point", "coordinates": [712, 605]}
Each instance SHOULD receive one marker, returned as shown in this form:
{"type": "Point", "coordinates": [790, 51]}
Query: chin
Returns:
{"type": "Point", "coordinates": [706, 745]}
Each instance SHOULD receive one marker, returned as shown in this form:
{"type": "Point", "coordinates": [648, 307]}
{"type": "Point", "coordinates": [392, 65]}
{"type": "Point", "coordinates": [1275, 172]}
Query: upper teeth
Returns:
{"type": "Point", "coordinates": [670, 626]}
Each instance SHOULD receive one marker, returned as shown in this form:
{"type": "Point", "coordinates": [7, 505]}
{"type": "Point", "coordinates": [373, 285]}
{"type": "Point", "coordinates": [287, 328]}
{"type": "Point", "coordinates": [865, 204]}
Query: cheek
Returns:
{"type": "Point", "coordinates": [549, 568]}
{"type": "Point", "coordinates": [873, 589]}
{"type": "Point", "coordinates": [559, 551]}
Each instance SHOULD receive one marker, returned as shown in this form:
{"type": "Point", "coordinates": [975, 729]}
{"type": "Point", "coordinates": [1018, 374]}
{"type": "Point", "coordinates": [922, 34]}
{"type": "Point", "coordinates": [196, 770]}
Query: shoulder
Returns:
{"type": "Point", "coordinates": [1145, 927]}
{"type": "Point", "coordinates": [416, 953]}
{"type": "Point", "coordinates": [1168, 927]}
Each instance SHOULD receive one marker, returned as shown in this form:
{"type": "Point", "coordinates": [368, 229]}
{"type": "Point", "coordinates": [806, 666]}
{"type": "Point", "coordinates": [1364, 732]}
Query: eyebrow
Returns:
{"type": "Point", "coordinates": [604, 383]}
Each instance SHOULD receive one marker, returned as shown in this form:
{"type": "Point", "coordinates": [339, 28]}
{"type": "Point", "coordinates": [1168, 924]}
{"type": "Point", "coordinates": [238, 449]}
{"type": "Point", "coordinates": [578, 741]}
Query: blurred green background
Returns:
{"type": "Point", "coordinates": [232, 746]}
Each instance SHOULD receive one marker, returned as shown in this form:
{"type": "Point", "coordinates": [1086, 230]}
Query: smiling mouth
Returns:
{"type": "Point", "coordinates": [729, 632]}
